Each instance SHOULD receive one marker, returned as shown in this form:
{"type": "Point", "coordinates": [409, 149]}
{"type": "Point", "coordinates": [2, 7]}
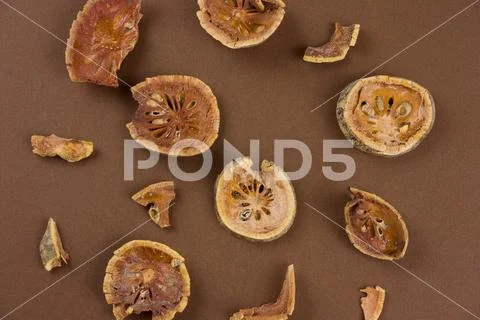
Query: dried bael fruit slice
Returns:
{"type": "Point", "coordinates": [385, 115]}
{"type": "Point", "coordinates": [71, 150]}
{"type": "Point", "coordinates": [372, 303]}
{"type": "Point", "coordinates": [280, 310]}
{"type": "Point", "coordinates": [175, 109]}
{"type": "Point", "coordinates": [104, 32]}
{"type": "Point", "coordinates": [241, 23]}
{"type": "Point", "coordinates": [374, 226]}
{"type": "Point", "coordinates": [158, 196]}
{"type": "Point", "coordinates": [336, 49]}
{"type": "Point", "coordinates": [258, 206]}
{"type": "Point", "coordinates": [146, 276]}
{"type": "Point", "coordinates": [51, 248]}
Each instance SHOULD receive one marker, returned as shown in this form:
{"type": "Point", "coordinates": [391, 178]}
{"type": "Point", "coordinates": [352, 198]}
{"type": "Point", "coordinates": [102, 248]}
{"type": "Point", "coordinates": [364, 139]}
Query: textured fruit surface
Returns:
{"type": "Point", "coordinates": [51, 248]}
{"type": "Point", "coordinates": [71, 150]}
{"type": "Point", "coordinates": [372, 303]}
{"type": "Point", "coordinates": [158, 197]}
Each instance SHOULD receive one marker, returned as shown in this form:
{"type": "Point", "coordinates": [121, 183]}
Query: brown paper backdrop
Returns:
{"type": "Point", "coordinates": [265, 93]}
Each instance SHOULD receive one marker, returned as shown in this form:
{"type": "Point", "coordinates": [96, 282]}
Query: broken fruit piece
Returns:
{"type": "Point", "coordinates": [104, 32]}
{"type": "Point", "coordinates": [51, 248]}
{"type": "Point", "coordinates": [258, 206]}
{"type": "Point", "coordinates": [336, 49]}
{"type": "Point", "coordinates": [374, 226]}
{"type": "Point", "coordinates": [280, 310]}
{"type": "Point", "coordinates": [241, 23]}
{"type": "Point", "coordinates": [372, 303]}
{"type": "Point", "coordinates": [158, 196]}
{"type": "Point", "coordinates": [175, 109]}
{"type": "Point", "coordinates": [71, 150]}
{"type": "Point", "coordinates": [385, 115]}
{"type": "Point", "coordinates": [146, 276]}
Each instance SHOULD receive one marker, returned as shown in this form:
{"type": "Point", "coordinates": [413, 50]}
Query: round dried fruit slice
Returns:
{"type": "Point", "coordinates": [258, 206]}
{"type": "Point", "coordinates": [241, 23]}
{"type": "Point", "coordinates": [175, 109]}
{"type": "Point", "coordinates": [146, 276]}
{"type": "Point", "coordinates": [385, 115]}
{"type": "Point", "coordinates": [374, 226]}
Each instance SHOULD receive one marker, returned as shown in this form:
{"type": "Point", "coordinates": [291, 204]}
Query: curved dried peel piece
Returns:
{"type": "Point", "coordinates": [158, 196]}
{"type": "Point", "coordinates": [146, 276]}
{"type": "Point", "coordinates": [279, 310]}
{"type": "Point", "coordinates": [372, 303]}
{"type": "Point", "coordinates": [51, 248]}
{"type": "Point", "coordinates": [71, 150]}
{"type": "Point", "coordinates": [241, 23]}
{"type": "Point", "coordinates": [104, 32]}
{"type": "Point", "coordinates": [374, 226]}
{"type": "Point", "coordinates": [336, 49]}
{"type": "Point", "coordinates": [257, 206]}
{"type": "Point", "coordinates": [385, 115]}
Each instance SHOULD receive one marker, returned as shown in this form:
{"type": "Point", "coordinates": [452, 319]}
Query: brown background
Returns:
{"type": "Point", "coordinates": [267, 93]}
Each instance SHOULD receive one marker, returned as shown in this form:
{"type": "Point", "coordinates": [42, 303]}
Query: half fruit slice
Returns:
{"type": "Point", "coordinates": [158, 197]}
{"type": "Point", "coordinates": [372, 303]}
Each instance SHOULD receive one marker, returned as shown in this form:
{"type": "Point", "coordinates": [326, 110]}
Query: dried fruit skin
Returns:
{"type": "Point", "coordinates": [71, 150]}
{"type": "Point", "coordinates": [102, 35]}
{"type": "Point", "coordinates": [384, 115]}
{"type": "Point", "coordinates": [146, 276]}
{"type": "Point", "coordinates": [158, 196]}
{"type": "Point", "coordinates": [336, 49]}
{"type": "Point", "coordinates": [372, 303]}
{"type": "Point", "coordinates": [241, 23]}
{"type": "Point", "coordinates": [51, 248]}
{"type": "Point", "coordinates": [374, 226]}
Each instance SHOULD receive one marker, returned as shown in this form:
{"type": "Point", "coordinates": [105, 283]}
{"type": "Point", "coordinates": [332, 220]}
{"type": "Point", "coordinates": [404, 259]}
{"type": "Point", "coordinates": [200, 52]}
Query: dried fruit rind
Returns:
{"type": "Point", "coordinates": [71, 150]}
{"type": "Point", "coordinates": [102, 35]}
{"type": "Point", "coordinates": [372, 303]}
{"type": "Point", "coordinates": [374, 226]}
{"type": "Point", "coordinates": [241, 23]}
{"type": "Point", "coordinates": [255, 205]}
{"type": "Point", "coordinates": [158, 197]}
{"type": "Point", "coordinates": [386, 116]}
{"type": "Point", "coordinates": [51, 248]}
{"type": "Point", "coordinates": [146, 276]}
{"type": "Point", "coordinates": [175, 110]}
{"type": "Point", "coordinates": [336, 49]}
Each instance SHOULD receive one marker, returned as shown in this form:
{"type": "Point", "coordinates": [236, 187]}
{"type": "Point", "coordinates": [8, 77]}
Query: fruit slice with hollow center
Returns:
{"type": "Point", "coordinates": [372, 303]}
{"type": "Point", "coordinates": [51, 248]}
{"type": "Point", "coordinates": [280, 310]}
{"type": "Point", "coordinates": [104, 32]}
{"type": "Point", "coordinates": [336, 49]}
{"type": "Point", "coordinates": [374, 226]}
{"type": "Point", "coordinates": [158, 196]}
{"type": "Point", "coordinates": [178, 111]}
{"type": "Point", "coordinates": [385, 115]}
{"type": "Point", "coordinates": [240, 23]}
{"type": "Point", "coordinates": [146, 276]}
{"type": "Point", "coordinates": [258, 206]}
{"type": "Point", "coordinates": [71, 150]}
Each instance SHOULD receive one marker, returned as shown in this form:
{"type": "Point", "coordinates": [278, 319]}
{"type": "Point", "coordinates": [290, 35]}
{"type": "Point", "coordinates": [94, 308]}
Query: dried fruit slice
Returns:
{"type": "Point", "coordinates": [104, 32]}
{"type": "Point", "coordinates": [280, 310]}
{"type": "Point", "coordinates": [336, 49]}
{"type": "Point", "coordinates": [372, 303]}
{"type": "Point", "coordinates": [146, 276]}
{"type": "Point", "coordinates": [385, 115]}
{"type": "Point", "coordinates": [71, 150]}
{"type": "Point", "coordinates": [51, 248]}
{"type": "Point", "coordinates": [158, 196]}
{"type": "Point", "coordinates": [241, 23]}
{"type": "Point", "coordinates": [175, 109]}
{"type": "Point", "coordinates": [258, 206]}
{"type": "Point", "coordinates": [374, 226]}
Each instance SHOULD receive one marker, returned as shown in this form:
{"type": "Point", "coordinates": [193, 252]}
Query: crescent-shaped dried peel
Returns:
{"type": "Point", "coordinates": [71, 150]}
{"type": "Point", "coordinates": [372, 303]}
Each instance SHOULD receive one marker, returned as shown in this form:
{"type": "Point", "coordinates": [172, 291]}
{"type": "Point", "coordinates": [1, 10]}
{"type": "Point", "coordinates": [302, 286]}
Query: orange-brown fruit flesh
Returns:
{"type": "Point", "coordinates": [372, 303]}
{"type": "Point", "coordinates": [159, 197]}
{"type": "Point", "coordinates": [71, 150]}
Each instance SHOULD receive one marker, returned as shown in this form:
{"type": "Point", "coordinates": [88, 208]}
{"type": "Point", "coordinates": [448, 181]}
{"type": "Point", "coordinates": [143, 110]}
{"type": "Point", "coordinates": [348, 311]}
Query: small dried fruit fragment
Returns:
{"type": "Point", "coordinates": [241, 23]}
{"type": "Point", "coordinates": [175, 110]}
{"type": "Point", "coordinates": [385, 115]}
{"type": "Point", "coordinates": [372, 303]}
{"type": "Point", "coordinates": [158, 196]}
{"type": "Point", "coordinates": [336, 49]}
{"type": "Point", "coordinates": [280, 310]}
{"type": "Point", "coordinates": [71, 150]}
{"type": "Point", "coordinates": [374, 226]}
{"type": "Point", "coordinates": [51, 248]}
{"type": "Point", "coordinates": [258, 206]}
{"type": "Point", "coordinates": [104, 32]}
{"type": "Point", "coordinates": [146, 276]}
